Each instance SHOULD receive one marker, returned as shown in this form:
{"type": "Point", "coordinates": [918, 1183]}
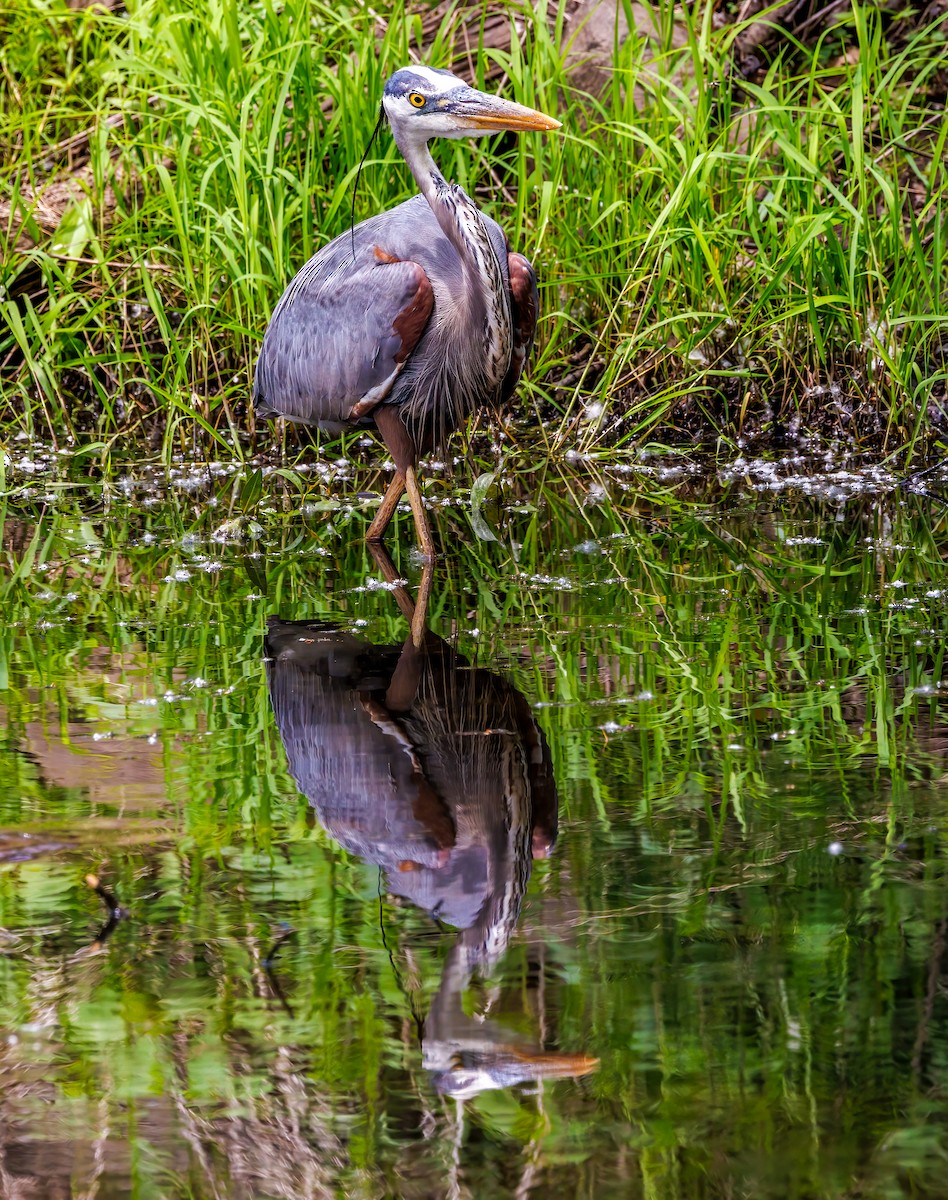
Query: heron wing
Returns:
{"type": "Point", "coordinates": [340, 336]}
{"type": "Point", "coordinates": [525, 304]}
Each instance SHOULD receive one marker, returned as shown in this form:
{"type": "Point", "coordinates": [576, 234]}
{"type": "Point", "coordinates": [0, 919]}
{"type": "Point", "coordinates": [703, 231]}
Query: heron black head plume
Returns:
{"type": "Point", "coordinates": [365, 154]}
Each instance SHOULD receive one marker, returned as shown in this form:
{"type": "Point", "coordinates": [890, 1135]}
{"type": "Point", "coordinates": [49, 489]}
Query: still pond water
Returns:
{"type": "Point", "coordinates": [632, 883]}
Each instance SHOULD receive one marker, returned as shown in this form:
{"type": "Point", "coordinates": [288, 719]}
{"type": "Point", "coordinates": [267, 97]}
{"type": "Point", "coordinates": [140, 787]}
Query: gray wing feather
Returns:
{"type": "Point", "coordinates": [332, 346]}
{"type": "Point", "coordinates": [332, 342]}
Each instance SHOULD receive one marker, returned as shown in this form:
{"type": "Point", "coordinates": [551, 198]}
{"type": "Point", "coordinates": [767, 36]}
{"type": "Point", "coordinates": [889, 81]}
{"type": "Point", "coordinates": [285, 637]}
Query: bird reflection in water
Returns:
{"type": "Point", "coordinates": [436, 772]}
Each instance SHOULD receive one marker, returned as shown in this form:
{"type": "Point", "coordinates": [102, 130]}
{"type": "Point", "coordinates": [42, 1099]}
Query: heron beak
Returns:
{"type": "Point", "coordinates": [488, 113]}
{"type": "Point", "coordinates": [550, 1065]}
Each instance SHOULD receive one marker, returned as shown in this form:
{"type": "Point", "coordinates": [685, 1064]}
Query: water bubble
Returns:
{"type": "Point", "coordinates": [380, 585]}
{"type": "Point", "coordinates": [596, 494]}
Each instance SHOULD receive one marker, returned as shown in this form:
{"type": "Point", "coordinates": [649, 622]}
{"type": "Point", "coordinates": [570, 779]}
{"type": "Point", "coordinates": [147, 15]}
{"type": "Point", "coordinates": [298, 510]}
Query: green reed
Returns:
{"type": "Point", "coordinates": [722, 256]}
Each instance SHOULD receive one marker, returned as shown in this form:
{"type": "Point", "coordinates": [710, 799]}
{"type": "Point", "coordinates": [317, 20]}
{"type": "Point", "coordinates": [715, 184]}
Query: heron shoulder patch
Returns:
{"type": "Point", "coordinates": [413, 318]}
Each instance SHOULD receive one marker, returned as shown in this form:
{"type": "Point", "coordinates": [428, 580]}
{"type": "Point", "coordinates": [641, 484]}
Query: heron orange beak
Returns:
{"type": "Point", "coordinates": [550, 1065]}
{"type": "Point", "coordinates": [490, 113]}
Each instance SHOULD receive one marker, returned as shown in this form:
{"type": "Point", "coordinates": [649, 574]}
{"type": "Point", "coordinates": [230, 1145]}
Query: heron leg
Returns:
{"type": "Point", "coordinates": [390, 575]}
{"type": "Point", "coordinates": [415, 612]}
{"type": "Point", "coordinates": [422, 528]}
{"type": "Point", "coordinates": [402, 447]}
{"type": "Point", "coordinates": [419, 620]}
{"type": "Point", "coordinates": [389, 503]}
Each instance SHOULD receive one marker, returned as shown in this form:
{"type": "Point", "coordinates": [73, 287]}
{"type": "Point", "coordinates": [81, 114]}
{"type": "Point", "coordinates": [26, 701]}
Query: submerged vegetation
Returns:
{"type": "Point", "coordinates": [728, 245]}
{"type": "Point", "coordinates": [743, 918]}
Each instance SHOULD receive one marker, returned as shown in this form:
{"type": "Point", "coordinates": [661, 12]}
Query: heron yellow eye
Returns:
{"type": "Point", "coordinates": [416, 100]}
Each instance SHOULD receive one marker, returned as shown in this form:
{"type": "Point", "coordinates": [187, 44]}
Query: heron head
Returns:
{"type": "Point", "coordinates": [423, 103]}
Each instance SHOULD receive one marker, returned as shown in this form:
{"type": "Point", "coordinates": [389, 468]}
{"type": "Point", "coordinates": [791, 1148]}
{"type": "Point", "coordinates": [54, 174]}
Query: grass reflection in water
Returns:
{"type": "Point", "coordinates": [743, 918]}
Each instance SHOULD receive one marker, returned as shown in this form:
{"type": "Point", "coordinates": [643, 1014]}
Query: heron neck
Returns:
{"type": "Point", "coordinates": [454, 211]}
{"type": "Point", "coordinates": [425, 170]}
{"type": "Point", "coordinates": [485, 297]}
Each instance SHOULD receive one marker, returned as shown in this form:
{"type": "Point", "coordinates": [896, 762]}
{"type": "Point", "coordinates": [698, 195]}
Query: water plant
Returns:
{"type": "Point", "coordinates": [743, 919]}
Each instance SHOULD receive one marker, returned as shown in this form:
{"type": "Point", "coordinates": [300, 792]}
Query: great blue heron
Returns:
{"type": "Point", "coordinates": [418, 316]}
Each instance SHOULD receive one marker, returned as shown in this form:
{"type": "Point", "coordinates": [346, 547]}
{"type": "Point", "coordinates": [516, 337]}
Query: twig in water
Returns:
{"type": "Point", "coordinates": [912, 481]}
{"type": "Point", "coordinates": [116, 913]}
{"type": "Point", "coordinates": [271, 974]}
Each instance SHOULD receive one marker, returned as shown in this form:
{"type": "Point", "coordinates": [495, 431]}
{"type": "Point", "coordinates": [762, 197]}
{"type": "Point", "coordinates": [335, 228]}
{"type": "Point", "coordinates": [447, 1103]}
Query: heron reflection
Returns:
{"type": "Point", "coordinates": [437, 772]}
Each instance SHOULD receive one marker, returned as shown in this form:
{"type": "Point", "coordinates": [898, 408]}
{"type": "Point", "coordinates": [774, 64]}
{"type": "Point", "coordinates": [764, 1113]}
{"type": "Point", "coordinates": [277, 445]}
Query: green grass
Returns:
{"type": "Point", "coordinates": [716, 258]}
{"type": "Point", "coordinates": [724, 694]}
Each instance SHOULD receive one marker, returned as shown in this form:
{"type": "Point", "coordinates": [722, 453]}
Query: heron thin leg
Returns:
{"type": "Point", "coordinates": [390, 575]}
{"type": "Point", "coordinates": [419, 620]}
{"type": "Point", "coordinates": [422, 528]}
{"type": "Point", "coordinates": [386, 509]}
{"type": "Point", "coordinates": [402, 447]}
{"type": "Point", "coordinates": [415, 612]}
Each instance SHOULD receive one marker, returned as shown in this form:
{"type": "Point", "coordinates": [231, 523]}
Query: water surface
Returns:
{"type": "Point", "coordinates": [632, 884]}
